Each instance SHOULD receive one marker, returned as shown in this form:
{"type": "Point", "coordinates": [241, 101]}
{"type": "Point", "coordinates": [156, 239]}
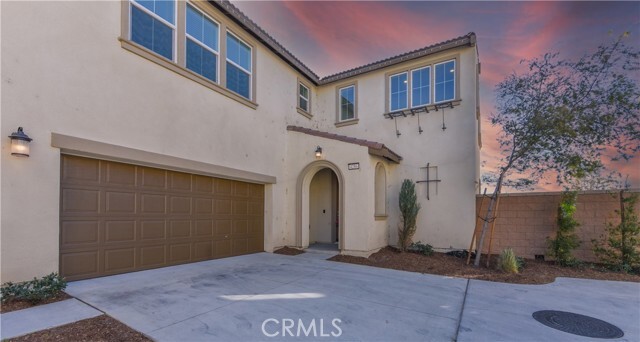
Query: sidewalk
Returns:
{"type": "Point", "coordinates": [26, 321]}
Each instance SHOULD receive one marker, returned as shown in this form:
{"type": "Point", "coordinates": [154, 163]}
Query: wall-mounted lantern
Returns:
{"type": "Point", "coordinates": [318, 152]}
{"type": "Point", "coordinates": [20, 143]}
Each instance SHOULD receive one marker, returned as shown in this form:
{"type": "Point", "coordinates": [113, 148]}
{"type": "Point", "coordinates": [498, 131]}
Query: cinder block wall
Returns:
{"type": "Point", "coordinates": [525, 220]}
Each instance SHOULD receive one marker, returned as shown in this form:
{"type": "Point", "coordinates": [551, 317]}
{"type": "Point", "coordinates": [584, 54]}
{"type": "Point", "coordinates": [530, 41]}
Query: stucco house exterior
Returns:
{"type": "Point", "coordinates": [168, 132]}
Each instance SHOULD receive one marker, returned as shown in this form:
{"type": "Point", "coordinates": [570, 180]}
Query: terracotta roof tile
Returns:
{"type": "Point", "coordinates": [375, 148]}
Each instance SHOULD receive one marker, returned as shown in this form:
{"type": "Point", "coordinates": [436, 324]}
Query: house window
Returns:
{"type": "Point", "coordinates": [445, 81]}
{"type": "Point", "coordinates": [347, 103]}
{"type": "Point", "coordinates": [420, 87]}
{"type": "Point", "coordinates": [380, 191]}
{"type": "Point", "coordinates": [202, 44]}
{"type": "Point", "coordinates": [303, 97]}
{"type": "Point", "coordinates": [398, 91]}
{"type": "Point", "coordinates": [153, 25]}
{"type": "Point", "coordinates": [238, 66]}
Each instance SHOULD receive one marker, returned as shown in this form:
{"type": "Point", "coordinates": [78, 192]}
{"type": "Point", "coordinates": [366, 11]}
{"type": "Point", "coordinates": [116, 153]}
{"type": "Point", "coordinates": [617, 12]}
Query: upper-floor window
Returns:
{"type": "Point", "coordinates": [303, 97]}
{"type": "Point", "coordinates": [238, 66]}
{"type": "Point", "coordinates": [421, 87]}
{"type": "Point", "coordinates": [347, 103]}
{"type": "Point", "coordinates": [153, 25]}
{"type": "Point", "coordinates": [202, 44]}
{"type": "Point", "coordinates": [445, 81]}
{"type": "Point", "coordinates": [399, 94]}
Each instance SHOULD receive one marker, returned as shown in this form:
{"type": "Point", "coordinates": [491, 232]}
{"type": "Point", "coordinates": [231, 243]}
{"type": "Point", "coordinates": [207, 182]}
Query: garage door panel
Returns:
{"type": "Point", "coordinates": [120, 202]}
{"type": "Point", "coordinates": [118, 174]}
{"type": "Point", "coordinates": [149, 178]}
{"type": "Point", "coordinates": [152, 204]}
{"type": "Point", "coordinates": [118, 218]}
{"type": "Point", "coordinates": [79, 264]}
{"type": "Point", "coordinates": [151, 256]}
{"type": "Point", "coordinates": [119, 260]}
{"type": "Point", "coordinates": [75, 233]}
{"type": "Point", "coordinates": [152, 229]}
{"type": "Point", "coordinates": [120, 231]}
{"type": "Point", "coordinates": [81, 201]}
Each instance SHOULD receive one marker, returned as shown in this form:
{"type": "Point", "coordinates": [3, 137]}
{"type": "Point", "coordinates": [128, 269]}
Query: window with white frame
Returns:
{"type": "Point", "coordinates": [420, 87]}
{"type": "Point", "coordinates": [238, 66]}
{"type": "Point", "coordinates": [399, 94]}
{"type": "Point", "coordinates": [202, 44]}
{"type": "Point", "coordinates": [445, 81]}
{"type": "Point", "coordinates": [347, 103]}
{"type": "Point", "coordinates": [153, 25]}
{"type": "Point", "coordinates": [303, 97]}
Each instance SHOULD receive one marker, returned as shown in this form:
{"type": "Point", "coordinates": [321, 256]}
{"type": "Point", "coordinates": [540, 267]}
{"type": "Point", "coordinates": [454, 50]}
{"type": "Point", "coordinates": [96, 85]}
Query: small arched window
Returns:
{"type": "Point", "coordinates": [380, 191]}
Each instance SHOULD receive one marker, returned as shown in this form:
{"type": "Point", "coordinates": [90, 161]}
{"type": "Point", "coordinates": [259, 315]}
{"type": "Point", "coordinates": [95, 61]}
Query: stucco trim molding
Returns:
{"type": "Point", "coordinates": [90, 148]}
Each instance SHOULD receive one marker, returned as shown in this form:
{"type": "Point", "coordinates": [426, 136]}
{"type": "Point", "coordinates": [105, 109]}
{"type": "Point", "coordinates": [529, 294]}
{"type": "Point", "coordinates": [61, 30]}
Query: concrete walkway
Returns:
{"type": "Point", "coordinates": [26, 321]}
{"type": "Point", "coordinates": [266, 297]}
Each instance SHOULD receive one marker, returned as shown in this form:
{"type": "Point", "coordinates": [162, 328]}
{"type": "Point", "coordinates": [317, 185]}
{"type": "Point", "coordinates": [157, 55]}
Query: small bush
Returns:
{"type": "Point", "coordinates": [35, 290]}
{"type": "Point", "coordinates": [508, 262]}
{"type": "Point", "coordinates": [565, 241]}
{"type": "Point", "coordinates": [409, 208]}
{"type": "Point", "coordinates": [420, 248]}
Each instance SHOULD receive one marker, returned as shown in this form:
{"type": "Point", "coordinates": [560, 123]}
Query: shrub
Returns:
{"type": "Point", "coordinates": [565, 241]}
{"type": "Point", "coordinates": [618, 248]}
{"type": "Point", "coordinates": [409, 208]}
{"type": "Point", "coordinates": [420, 248]}
{"type": "Point", "coordinates": [508, 262]}
{"type": "Point", "coordinates": [35, 290]}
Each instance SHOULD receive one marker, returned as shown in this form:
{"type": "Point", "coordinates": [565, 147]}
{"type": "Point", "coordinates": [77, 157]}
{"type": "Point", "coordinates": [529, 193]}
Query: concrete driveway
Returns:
{"type": "Point", "coordinates": [274, 297]}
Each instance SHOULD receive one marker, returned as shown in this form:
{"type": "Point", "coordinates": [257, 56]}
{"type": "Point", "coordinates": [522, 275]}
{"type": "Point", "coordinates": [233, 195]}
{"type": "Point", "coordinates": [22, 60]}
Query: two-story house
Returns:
{"type": "Point", "coordinates": [169, 132]}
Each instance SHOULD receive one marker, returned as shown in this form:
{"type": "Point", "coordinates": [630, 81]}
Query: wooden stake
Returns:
{"type": "Point", "coordinates": [473, 238]}
{"type": "Point", "coordinates": [493, 223]}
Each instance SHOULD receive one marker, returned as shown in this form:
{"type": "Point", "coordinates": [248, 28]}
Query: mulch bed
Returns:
{"type": "Point", "coordinates": [98, 329]}
{"type": "Point", "coordinates": [22, 304]}
{"type": "Point", "coordinates": [534, 272]}
{"type": "Point", "coordinates": [288, 251]}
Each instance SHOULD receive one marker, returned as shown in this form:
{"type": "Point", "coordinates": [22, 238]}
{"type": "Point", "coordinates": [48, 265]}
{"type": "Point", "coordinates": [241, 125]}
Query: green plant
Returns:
{"type": "Point", "coordinates": [619, 246]}
{"type": "Point", "coordinates": [409, 208]}
{"type": "Point", "coordinates": [35, 290]}
{"type": "Point", "coordinates": [565, 241]}
{"type": "Point", "coordinates": [508, 262]}
{"type": "Point", "coordinates": [421, 248]}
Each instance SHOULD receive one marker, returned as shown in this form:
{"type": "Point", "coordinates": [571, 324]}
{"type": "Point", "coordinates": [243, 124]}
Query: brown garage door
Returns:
{"type": "Point", "coordinates": [117, 218]}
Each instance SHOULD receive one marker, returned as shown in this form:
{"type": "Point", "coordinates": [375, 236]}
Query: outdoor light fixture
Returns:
{"type": "Point", "coordinates": [318, 152]}
{"type": "Point", "coordinates": [20, 143]}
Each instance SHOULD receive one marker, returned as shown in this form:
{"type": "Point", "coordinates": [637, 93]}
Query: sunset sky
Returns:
{"type": "Point", "coordinates": [330, 37]}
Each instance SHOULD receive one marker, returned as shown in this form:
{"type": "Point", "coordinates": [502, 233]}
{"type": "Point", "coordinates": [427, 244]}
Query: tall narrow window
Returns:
{"type": "Point", "coordinates": [398, 91]}
{"type": "Point", "coordinates": [445, 81]}
{"type": "Point", "coordinates": [303, 97]}
{"type": "Point", "coordinates": [347, 103]}
{"type": "Point", "coordinates": [238, 66]}
{"type": "Point", "coordinates": [420, 87]}
{"type": "Point", "coordinates": [153, 25]}
{"type": "Point", "coordinates": [202, 44]}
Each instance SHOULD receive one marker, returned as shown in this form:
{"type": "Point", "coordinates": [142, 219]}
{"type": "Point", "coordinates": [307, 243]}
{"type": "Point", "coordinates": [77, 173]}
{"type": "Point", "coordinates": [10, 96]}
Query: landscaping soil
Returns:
{"type": "Point", "coordinates": [23, 304]}
{"type": "Point", "coordinates": [534, 271]}
{"type": "Point", "coordinates": [288, 251]}
{"type": "Point", "coordinates": [98, 329]}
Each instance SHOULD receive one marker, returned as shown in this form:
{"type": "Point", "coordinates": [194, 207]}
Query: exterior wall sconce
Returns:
{"type": "Point", "coordinates": [318, 152]}
{"type": "Point", "coordinates": [20, 143]}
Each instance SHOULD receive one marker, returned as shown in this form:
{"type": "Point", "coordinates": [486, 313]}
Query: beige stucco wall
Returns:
{"type": "Point", "coordinates": [64, 71]}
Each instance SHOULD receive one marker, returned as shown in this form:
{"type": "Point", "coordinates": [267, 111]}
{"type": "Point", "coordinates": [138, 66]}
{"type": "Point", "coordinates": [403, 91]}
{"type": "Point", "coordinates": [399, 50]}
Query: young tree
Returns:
{"type": "Point", "coordinates": [409, 208]}
{"type": "Point", "coordinates": [565, 241]}
{"type": "Point", "coordinates": [565, 117]}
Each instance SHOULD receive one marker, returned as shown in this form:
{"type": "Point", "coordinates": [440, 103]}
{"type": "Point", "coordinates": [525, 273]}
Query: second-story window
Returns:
{"type": "Point", "coordinates": [303, 97]}
{"type": "Point", "coordinates": [420, 87]}
{"type": "Point", "coordinates": [398, 92]}
{"type": "Point", "coordinates": [153, 25]}
{"type": "Point", "coordinates": [445, 81]}
{"type": "Point", "coordinates": [238, 66]}
{"type": "Point", "coordinates": [202, 44]}
{"type": "Point", "coordinates": [347, 103]}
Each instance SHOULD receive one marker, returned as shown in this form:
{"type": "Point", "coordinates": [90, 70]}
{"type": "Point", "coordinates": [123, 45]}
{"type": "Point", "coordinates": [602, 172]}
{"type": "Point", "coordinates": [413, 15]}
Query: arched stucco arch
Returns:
{"type": "Point", "coordinates": [302, 201]}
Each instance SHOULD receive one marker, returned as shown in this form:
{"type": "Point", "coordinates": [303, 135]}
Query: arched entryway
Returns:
{"type": "Point", "coordinates": [320, 205]}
